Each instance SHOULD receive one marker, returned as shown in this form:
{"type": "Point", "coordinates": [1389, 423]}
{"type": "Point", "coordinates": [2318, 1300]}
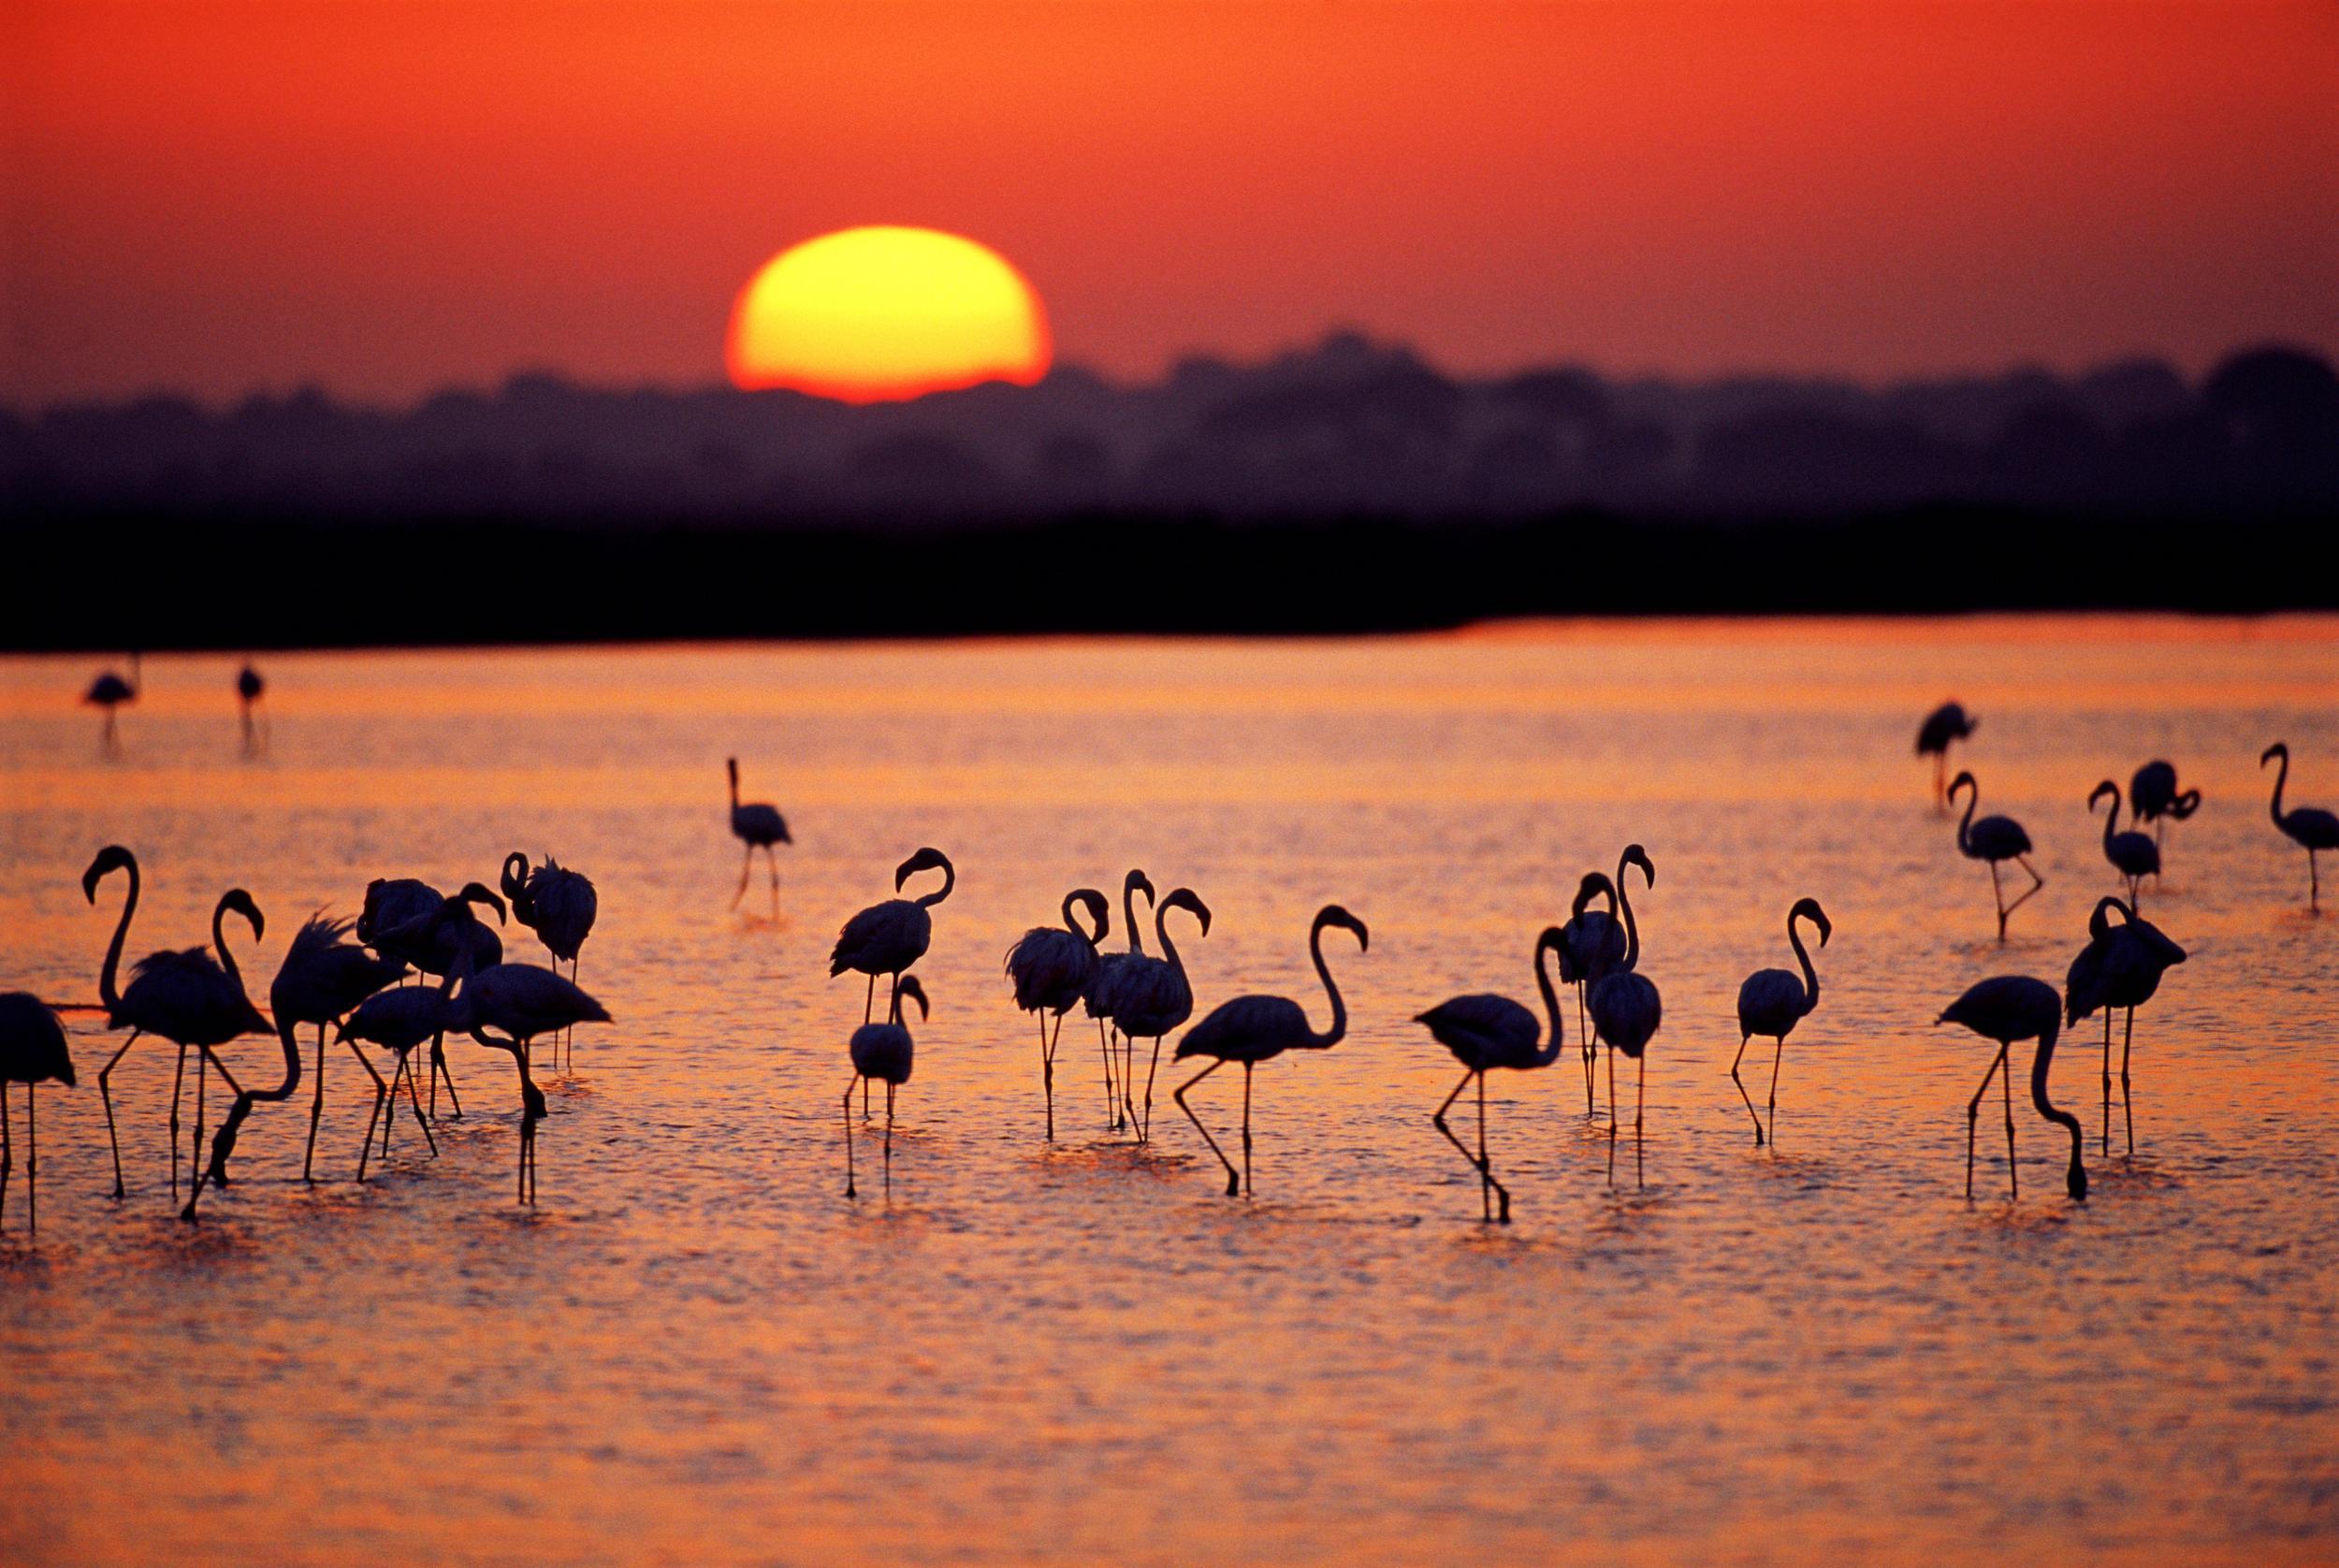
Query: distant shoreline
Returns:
{"type": "Point", "coordinates": [162, 582]}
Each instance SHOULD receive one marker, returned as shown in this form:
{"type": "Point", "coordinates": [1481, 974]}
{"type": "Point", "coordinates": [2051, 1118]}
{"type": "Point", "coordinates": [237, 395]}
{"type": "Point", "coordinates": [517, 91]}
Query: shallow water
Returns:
{"type": "Point", "coordinates": [695, 1349]}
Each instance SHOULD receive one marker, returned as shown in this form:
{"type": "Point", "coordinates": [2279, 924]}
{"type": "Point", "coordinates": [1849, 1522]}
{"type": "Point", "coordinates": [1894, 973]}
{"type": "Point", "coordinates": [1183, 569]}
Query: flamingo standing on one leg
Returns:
{"type": "Point", "coordinates": [1944, 724]}
{"type": "Point", "coordinates": [1773, 1001]}
{"type": "Point", "coordinates": [323, 978]}
{"type": "Point", "coordinates": [882, 1051]}
{"type": "Point", "coordinates": [758, 827]}
{"type": "Point", "coordinates": [1990, 840]}
{"type": "Point", "coordinates": [1052, 967]}
{"type": "Point", "coordinates": [108, 693]}
{"type": "Point", "coordinates": [2309, 827]}
{"type": "Point", "coordinates": [2119, 967]}
{"type": "Point", "coordinates": [1104, 991]}
{"type": "Point", "coordinates": [2154, 797]}
{"type": "Point", "coordinates": [1483, 1032]}
{"type": "Point", "coordinates": [557, 904]}
{"type": "Point", "coordinates": [1153, 998]}
{"type": "Point", "coordinates": [2008, 1008]}
{"type": "Point", "coordinates": [32, 1047]}
{"type": "Point", "coordinates": [2131, 854]}
{"type": "Point", "coordinates": [1251, 1029]}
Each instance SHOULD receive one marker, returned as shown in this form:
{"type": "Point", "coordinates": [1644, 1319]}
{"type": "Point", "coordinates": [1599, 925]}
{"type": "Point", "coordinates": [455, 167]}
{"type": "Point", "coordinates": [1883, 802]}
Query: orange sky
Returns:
{"type": "Point", "coordinates": [386, 198]}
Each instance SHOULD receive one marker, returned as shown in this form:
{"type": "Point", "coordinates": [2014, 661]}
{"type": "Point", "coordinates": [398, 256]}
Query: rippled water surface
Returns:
{"type": "Point", "coordinates": [695, 1349]}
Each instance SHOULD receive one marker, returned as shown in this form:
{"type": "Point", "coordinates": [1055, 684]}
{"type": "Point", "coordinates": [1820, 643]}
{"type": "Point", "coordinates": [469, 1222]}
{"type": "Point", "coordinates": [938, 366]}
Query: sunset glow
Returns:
{"type": "Point", "coordinates": [873, 314]}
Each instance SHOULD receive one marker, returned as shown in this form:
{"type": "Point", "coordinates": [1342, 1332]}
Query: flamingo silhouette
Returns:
{"type": "Point", "coordinates": [249, 687]}
{"type": "Point", "coordinates": [1151, 997]}
{"type": "Point", "coordinates": [2153, 797]}
{"type": "Point", "coordinates": [887, 939]}
{"type": "Point", "coordinates": [323, 977]}
{"type": "Point", "coordinates": [525, 1002]}
{"type": "Point", "coordinates": [108, 693]}
{"type": "Point", "coordinates": [32, 1049]}
{"type": "Point", "coordinates": [1052, 967]}
{"type": "Point", "coordinates": [2120, 967]}
{"type": "Point", "coordinates": [1104, 991]}
{"type": "Point", "coordinates": [758, 827]}
{"type": "Point", "coordinates": [2008, 1008]}
{"type": "Point", "coordinates": [434, 942]}
{"type": "Point", "coordinates": [557, 904]}
{"type": "Point", "coordinates": [400, 1021]}
{"type": "Point", "coordinates": [1627, 1009]}
{"type": "Point", "coordinates": [1994, 840]}
{"type": "Point", "coordinates": [1593, 944]}
{"type": "Point", "coordinates": [186, 997]}
{"type": "Point", "coordinates": [1946, 723]}
{"type": "Point", "coordinates": [2309, 827]}
{"type": "Point", "coordinates": [1251, 1029]}
{"type": "Point", "coordinates": [2131, 854]}
{"type": "Point", "coordinates": [1483, 1032]}
{"type": "Point", "coordinates": [882, 1051]}
{"type": "Point", "coordinates": [1773, 1001]}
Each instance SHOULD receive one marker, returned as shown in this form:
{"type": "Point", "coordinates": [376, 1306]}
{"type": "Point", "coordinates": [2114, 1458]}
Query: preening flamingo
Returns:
{"type": "Point", "coordinates": [557, 904]}
{"type": "Point", "coordinates": [32, 1049]}
{"type": "Point", "coordinates": [2008, 1008]}
{"type": "Point", "coordinates": [1946, 723]}
{"type": "Point", "coordinates": [1772, 1002]}
{"type": "Point", "coordinates": [1152, 997]}
{"type": "Point", "coordinates": [185, 998]}
{"type": "Point", "coordinates": [1105, 990]}
{"type": "Point", "coordinates": [1483, 1032]}
{"type": "Point", "coordinates": [758, 827]}
{"type": "Point", "coordinates": [2131, 854]}
{"type": "Point", "coordinates": [1052, 967]}
{"type": "Point", "coordinates": [434, 942]}
{"type": "Point", "coordinates": [2154, 797]}
{"type": "Point", "coordinates": [2309, 827]}
{"type": "Point", "coordinates": [1990, 840]}
{"type": "Point", "coordinates": [882, 1051]}
{"type": "Point", "coordinates": [2120, 967]}
{"type": "Point", "coordinates": [1251, 1029]}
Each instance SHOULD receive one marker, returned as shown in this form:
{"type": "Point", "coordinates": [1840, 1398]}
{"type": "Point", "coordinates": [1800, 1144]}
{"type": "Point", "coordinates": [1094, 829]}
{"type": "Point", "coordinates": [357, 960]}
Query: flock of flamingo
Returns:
{"type": "Point", "coordinates": [350, 976]}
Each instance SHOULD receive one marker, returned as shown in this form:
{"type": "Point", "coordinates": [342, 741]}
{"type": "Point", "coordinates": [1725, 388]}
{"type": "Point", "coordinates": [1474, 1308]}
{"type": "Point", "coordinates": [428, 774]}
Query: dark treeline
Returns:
{"type": "Point", "coordinates": [171, 582]}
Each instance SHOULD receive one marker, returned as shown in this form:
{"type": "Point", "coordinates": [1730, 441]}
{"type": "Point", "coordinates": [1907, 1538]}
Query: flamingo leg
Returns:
{"type": "Point", "coordinates": [107, 1095]}
{"type": "Point", "coordinates": [1640, 1106]}
{"type": "Point", "coordinates": [868, 1000]}
{"type": "Point", "coordinates": [177, 1085]}
{"type": "Point", "coordinates": [1248, 1190]}
{"type": "Point", "coordinates": [316, 1111]}
{"type": "Point", "coordinates": [1941, 782]}
{"type": "Point", "coordinates": [2037, 882]}
{"type": "Point", "coordinates": [1778, 1055]}
{"type": "Point", "coordinates": [848, 1117]}
{"type": "Point", "coordinates": [1742, 1093]}
{"type": "Point", "coordinates": [2006, 1082]}
{"type": "Point", "coordinates": [746, 868]}
{"type": "Point", "coordinates": [1973, 1116]}
{"type": "Point", "coordinates": [195, 1173]}
{"type": "Point", "coordinates": [32, 1155]}
{"type": "Point", "coordinates": [1486, 1166]}
{"type": "Point", "coordinates": [397, 1077]}
{"type": "Point", "coordinates": [2313, 886]}
{"type": "Point", "coordinates": [1233, 1186]}
{"type": "Point", "coordinates": [1145, 1129]}
{"type": "Point", "coordinates": [1591, 1055]}
{"type": "Point", "coordinates": [414, 1098]}
{"type": "Point", "coordinates": [2107, 1080]}
{"type": "Point", "coordinates": [2127, 1105]}
{"type": "Point", "coordinates": [1047, 1069]}
{"type": "Point", "coordinates": [771, 858]}
{"type": "Point", "coordinates": [439, 1069]}
{"type": "Point", "coordinates": [1437, 1119]}
{"type": "Point", "coordinates": [381, 1093]}
{"type": "Point", "coordinates": [1998, 897]}
{"type": "Point", "coordinates": [889, 1140]}
{"type": "Point", "coordinates": [1128, 1082]}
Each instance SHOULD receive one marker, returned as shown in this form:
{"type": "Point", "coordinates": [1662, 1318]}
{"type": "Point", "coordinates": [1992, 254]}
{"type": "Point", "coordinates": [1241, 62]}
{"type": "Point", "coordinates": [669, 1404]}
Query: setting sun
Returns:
{"type": "Point", "coordinates": [870, 314]}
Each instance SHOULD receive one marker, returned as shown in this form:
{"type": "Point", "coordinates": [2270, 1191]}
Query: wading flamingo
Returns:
{"type": "Point", "coordinates": [758, 827]}
{"type": "Point", "coordinates": [435, 943]}
{"type": "Point", "coordinates": [2008, 1008]}
{"type": "Point", "coordinates": [1104, 991]}
{"type": "Point", "coordinates": [2120, 967]}
{"type": "Point", "coordinates": [1627, 1009]}
{"type": "Point", "coordinates": [2309, 827]}
{"type": "Point", "coordinates": [555, 903]}
{"type": "Point", "coordinates": [882, 1051]}
{"type": "Point", "coordinates": [1251, 1029]}
{"type": "Point", "coordinates": [1483, 1032]}
{"type": "Point", "coordinates": [1151, 997]}
{"type": "Point", "coordinates": [1946, 723]}
{"type": "Point", "coordinates": [32, 1049]}
{"type": "Point", "coordinates": [1772, 1002]}
{"type": "Point", "coordinates": [2131, 854]}
{"type": "Point", "coordinates": [249, 687]}
{"type": "Point", "coordinates": [525, 1002]}
{"type": "Point", "coordinates": [1052, 967]}
{"type": "Point", "coordinates": [400, 1021]}
{"type": "Point", "coordinates": [1990, 840]}
{"type": "Point", "coordinates": [108, 693]}
{"type": "Point", "coordinates": [887, 939]}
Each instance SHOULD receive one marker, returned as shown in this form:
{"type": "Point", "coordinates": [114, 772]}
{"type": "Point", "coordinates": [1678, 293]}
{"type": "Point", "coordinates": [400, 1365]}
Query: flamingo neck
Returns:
{"type": "Point", "coordinates": [1964, 823]}
{"type": "Point", "coordinates": [1550, 1051]}
{"type": "Point", "coordinates": [1810, 971]}
{"type": "Point", "coordinates": [2282, 776]}
{"type": "Point", "coordinates": [1168, 949]}
{"type": "Point", "coordinates": [219, 943]}
{"type": "Point", "coordinates": [1338, 1029]}
{"type": "Point", "coordinates": [108, 991]}
{"type": "Point", "coordinates": [950, 880]}
{"type": "Point", "coordinates": [2076, 1179]}
{"type": "Point", "coordinates": [1128, 919]}
{"type": "Point", "coordinates": [1631, 927]}
{"type": "Point", "coordinates": [2111, 817]}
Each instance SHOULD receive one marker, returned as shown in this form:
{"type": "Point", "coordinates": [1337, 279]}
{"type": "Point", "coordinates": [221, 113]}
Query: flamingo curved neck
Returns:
{"type": "Point", "coordinates": [1129, 918]}
{"type": "Point", "coordinates": [1631, 927]}
{"type": "Point", "coordinates": [1168, 949]}
{"type": "Point", "coordinates": [2111, 817]}
{"type": "Point", "coordinates": [950, 880]}
{"type": "Point", "coordinates": [1810, 971]}
{"type": "Point", "coordinates": [2077, 1178]}
{"type": "Point", "coordinates": [108, 991]}
{"type": "Point", "coordinates": [1072, 921]}
{"type": "Point", "coordinates": [1964, 823]}
{"type": "Point", "coordinates": [1340, 1009]}
{"type": "Point", "coordinates": [219, 943]}
{"type": "Point", "coordinates": [1548, 1052]}
{"type": "Point", "coordinates": [2282, 776]}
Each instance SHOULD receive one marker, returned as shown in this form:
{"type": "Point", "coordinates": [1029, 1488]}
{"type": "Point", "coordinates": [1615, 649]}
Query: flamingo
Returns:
{"type": "Point", "coordinates": [887, 939]}
{"type": "Point", "coordinates": [1946, 723]}
{"type": "Point", "coordinates": [1251, 1029]}
{"type": "Point", "coordinates": [2153, 797]}
{"type": "Point", "coordinates": [1052, 968]}
{"type": "Point", "coordinates": [32, 1047]}
{"type": "Point", "coordinates": [1153, 997]}
{"type": "Point", "coordinates": [185, 998]}
{"type": "Point", "coordinates": [525, 1001]}
{"type": "Point", "coordinates": [758, 827]}
{"type": "Point", "coordinates": [1104, 991]}
{"type": "Point", "coordinates": [1627, 1009]}
{"type": "Point", "coordinates": [1596, 947]}
{"type": "Point", "coordinates": [1483, 1032]}
{"type": "Point", "coordinates": [249, 689]}
{"type": "Point", "coordinates": [2008, 1008]}
{"type": "Point", "coordinates": [433, 941]}
{"type": "Point", "coordinates": [1773, 1001]}
{"type": "Point", "coordinates": [398, 1020]}
{"type": "Point", "coordinates": [2131, 854]}
{"type": "Point", "coordinates": [323, 978]}
{"type": "Point", "coordinates": [557, 904]}
{"type": "Point", "coordinates": [882, 1051]}
{"type": "Point", "coordinates": [2309, 827]}
{"type": "Point", "coordinates": [2119, 967]}
{"type": "Point", "coordinates": [108, 691]}
{"type": "Point", "coordinates": [1994, 840]}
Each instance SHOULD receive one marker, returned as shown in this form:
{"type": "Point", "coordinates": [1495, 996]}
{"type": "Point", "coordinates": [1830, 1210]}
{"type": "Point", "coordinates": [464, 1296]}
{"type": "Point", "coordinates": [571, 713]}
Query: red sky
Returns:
{"type": "Point", "coordinates": [388, 199]}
